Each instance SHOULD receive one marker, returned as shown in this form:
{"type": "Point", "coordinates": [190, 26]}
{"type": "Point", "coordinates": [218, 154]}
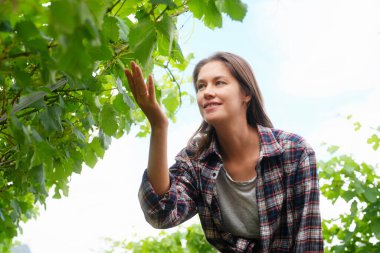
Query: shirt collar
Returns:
{"type": "Point", "coordinates": [269, 145]}
{"type": "Point", "coordinates": [212, 149]}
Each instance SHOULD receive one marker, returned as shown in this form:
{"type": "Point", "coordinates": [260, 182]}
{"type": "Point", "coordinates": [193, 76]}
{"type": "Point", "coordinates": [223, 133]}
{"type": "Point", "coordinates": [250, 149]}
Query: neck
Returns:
{"type": "Point", "coordinates": [237, 140]}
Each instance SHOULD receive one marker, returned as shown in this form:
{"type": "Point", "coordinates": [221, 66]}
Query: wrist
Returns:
{"type": "Point", "coordinates": [158, 121]}
{"type": "Point", "coordinates": [161, 125]}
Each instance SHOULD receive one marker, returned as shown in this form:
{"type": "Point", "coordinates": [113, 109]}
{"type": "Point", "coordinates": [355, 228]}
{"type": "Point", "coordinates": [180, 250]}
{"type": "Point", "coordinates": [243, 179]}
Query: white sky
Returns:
{"type": "Point", "coordinates": [315, 61]}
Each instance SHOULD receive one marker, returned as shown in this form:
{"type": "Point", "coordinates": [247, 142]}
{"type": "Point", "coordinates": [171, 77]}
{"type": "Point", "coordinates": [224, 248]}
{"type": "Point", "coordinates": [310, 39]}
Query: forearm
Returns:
{"type": "Point", "coordinates": [158, 172]}
{"type": "Point", "coordinates": [144, 95]}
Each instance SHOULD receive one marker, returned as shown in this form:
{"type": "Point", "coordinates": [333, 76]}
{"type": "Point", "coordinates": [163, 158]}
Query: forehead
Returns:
{"type": "Point", "coordinates": [214, 69]}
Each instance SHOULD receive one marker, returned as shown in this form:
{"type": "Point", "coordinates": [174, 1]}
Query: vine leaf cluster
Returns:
{"type": "Point", "coordinates": [63, 93]}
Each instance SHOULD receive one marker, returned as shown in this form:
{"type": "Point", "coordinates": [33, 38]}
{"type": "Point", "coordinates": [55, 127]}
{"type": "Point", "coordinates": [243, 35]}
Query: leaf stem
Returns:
{"type": "Point", "coordinates": [113, 6]}
{"type": "Point", "coordinates": [162, 13]}
{"type": "Point", "coordinates": [3, 109]}
{"type": "Point", "coordinates": [83, 89]}
{"type": "Point", "coordinates": [175, 81]}
{"type": "Point", "coordinates": [121, 6]}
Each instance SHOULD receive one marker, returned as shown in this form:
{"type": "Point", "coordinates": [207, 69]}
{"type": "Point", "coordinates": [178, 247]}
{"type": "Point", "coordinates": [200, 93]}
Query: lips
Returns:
{"type": "Point", "coordinates": [210, 104]}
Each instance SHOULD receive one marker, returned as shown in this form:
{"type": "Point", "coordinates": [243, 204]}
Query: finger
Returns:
{"type": "Point", "coordinates": [152, 93]}
{"type": "Point", "coordinates": [131, 83]}
{"type": "Point", "coordinates": [140, 86]}
{"type": "Point", "coordinates": [135, 80]}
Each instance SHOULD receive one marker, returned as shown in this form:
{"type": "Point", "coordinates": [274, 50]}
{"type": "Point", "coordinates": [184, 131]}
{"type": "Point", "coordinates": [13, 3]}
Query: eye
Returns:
{"type": "Point", "coordinates": [220, 82]}
{"type": "Point", "coordinates": [200, 86]}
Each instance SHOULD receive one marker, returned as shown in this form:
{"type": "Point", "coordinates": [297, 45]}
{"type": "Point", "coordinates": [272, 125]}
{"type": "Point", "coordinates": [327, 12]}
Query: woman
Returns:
{"type": "Point", "coordinates": [254, 188]}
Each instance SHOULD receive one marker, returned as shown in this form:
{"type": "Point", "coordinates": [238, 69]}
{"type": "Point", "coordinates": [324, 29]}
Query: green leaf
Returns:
{"type": "Point", "coordinates": [358, 186]}
{"type": "Point", "coordinates": [107, 120]}
{"type": "Point", "coordinates": [38, 175]}
{"type": "Point", "coordinates": [120, 105]}
{"type": "Point", "coordinates": [332, 149]}
{"type": "Point", "coordinates": [171, 102]}
{"type": "Point", "coordinates": [197, 7]}
{"type": "Point", "coordinates": [168, 3]}
{"type": "Point", "coordinates": [354, 208]}
{"type": "Point", "coordinates": [143, 40]}
{"type": "Point", "coordinates": [97, 147]}
{"type": "Point", "coordinates": [123, 29]}
{"type": "Point", "coordinates": [127, 100]}
{"type": "Point", "coordinates": [213, 17]}
{"type": "Point", "coordinates": [90, 158]}
{"type": "Point", "coordinates": [375, 141]}
{"type": "Point", "coordinates": [348, 195]}
{"type": "Point", "coordinates": [236, 9]}
{"type": "Point", "coordinates": [16, 130]}
{"type": "Point", "coordinates": [375, 227]}
{"type": "Point", "coordinates": [22, 78]}
{"type": "Point", "coordinates": [26, 30]}
{"type": "Point", "coordinates": [63, 17]}
{"type": "Point", "coordinates": [110, 28]}
{"type": "Point", "coordinates": [371, 194]}
{"type": "Point", "coordinates": [79, 135]}
{"type": "Point", "coordinates": [178, 56]}
{"type": "Point", "coordinates": [36, 160]}
{"type": "Point", "coordinates": [102, 52]}
{"type": "Point", "coordinates": [357, 126]}
{"type": "Point", "coordinates": [51, 118]}
{"type": "Point", "coordinates": [167, 28]}
{"type": "Point", "coordinates": [125, 8]}
{"type": "Point", "coordinates": [31, 36]}
{"type": "Point", "coordinates": [75, 60]}
{"type": "Point", "coordinates": [98, 10]}
{"type": "Point", "coordinates": [2, 216]}
{"type": "Point", "coordinates": [5, 26]}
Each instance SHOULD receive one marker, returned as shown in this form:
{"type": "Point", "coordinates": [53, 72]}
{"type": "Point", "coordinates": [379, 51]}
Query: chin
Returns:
{"type": "Point", "coordinates": [212, 120]}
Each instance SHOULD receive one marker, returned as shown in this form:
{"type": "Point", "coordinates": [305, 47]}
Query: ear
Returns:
{"type": "Point", "coordinates": [247, 99]}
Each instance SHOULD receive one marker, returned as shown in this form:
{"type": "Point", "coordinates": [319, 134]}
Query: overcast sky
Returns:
{"type": "Point", "coordinates": [315, 61]}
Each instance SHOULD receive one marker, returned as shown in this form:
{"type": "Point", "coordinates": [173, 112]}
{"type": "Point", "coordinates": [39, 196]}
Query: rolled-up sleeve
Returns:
{"type": "Point", "coordinates": [308, 237]}
{"type": "Point", "coordinates": [175, 206]}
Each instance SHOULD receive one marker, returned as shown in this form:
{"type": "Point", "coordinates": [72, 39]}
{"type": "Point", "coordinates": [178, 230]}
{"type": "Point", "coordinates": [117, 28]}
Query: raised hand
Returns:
{"type": "Point", "coordinates": [144, 95]}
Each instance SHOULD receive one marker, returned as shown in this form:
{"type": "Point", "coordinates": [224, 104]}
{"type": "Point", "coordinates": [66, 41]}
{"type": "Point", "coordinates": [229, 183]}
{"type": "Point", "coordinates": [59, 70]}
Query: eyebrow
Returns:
{"type": "Point", "coordinates": [214, 78]}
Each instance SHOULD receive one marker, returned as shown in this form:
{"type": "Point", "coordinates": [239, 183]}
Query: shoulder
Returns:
{"type": "Point", "coordinates": [292, 146]}
{"type": "Point", "coordinates": [288, 139]}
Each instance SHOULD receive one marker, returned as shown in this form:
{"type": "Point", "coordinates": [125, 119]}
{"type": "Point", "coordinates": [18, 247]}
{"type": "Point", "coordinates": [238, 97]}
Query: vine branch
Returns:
{"type": "Point", "coordinates": [175, 81]}
{"type": "Point", "coordinates": [113, 6]}
{"type": "Point", "coordinates": [121, 6]}
{"type": "Point", "coordinates": [162, 13]}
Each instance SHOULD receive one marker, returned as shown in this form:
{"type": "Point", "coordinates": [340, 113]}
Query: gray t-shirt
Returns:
{"type": "Point", "coordinates": [238, 205]}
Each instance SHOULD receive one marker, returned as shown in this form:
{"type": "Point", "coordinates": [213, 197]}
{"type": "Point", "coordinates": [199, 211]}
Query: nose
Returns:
{"type": "Point", "coordinates": [209, 92]}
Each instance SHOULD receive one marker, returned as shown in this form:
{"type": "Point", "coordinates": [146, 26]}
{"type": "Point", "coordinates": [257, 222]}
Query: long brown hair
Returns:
{"type": "Point", "coordinates": [243, 73]}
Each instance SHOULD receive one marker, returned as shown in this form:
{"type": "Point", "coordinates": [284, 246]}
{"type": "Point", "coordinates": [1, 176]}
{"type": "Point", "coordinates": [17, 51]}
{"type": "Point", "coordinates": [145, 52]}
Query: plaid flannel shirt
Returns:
{"type": "Point", "coordinates": [287, 194]}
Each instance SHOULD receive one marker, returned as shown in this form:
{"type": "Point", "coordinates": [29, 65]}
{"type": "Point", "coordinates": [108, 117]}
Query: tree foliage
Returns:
{"type": "Point", "coordinates": [63, 93]}
{"type": "Point", "coordinates": [185, 240]}
{"type": "Point", "coordinates": [357, 184]}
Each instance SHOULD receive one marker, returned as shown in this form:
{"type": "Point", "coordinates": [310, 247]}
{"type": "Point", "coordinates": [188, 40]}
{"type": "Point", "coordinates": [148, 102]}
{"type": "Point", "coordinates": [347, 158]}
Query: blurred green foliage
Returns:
{"type": "Point", "coordinates": [357, 184]}
{"type": "Point", "coordinates": [185, 240]}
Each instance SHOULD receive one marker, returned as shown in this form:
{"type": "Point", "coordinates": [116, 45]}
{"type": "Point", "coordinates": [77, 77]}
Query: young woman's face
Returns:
{"type": "Point", "coordinates": [220, 97]}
